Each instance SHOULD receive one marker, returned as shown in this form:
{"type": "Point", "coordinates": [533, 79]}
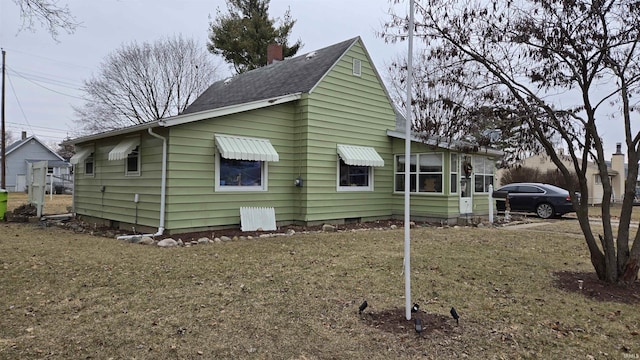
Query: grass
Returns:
{"type": "Point", "coordinates": [68, 295]}
{"type": "Point", "coordinates": [56, 204]}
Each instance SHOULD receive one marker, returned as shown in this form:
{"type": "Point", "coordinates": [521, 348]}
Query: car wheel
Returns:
{"type": "Point", "coordinates": [544, 210]}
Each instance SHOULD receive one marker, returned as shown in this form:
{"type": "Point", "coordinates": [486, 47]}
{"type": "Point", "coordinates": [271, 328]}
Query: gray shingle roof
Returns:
{"type": "Point", "coordinates": [290, 76]}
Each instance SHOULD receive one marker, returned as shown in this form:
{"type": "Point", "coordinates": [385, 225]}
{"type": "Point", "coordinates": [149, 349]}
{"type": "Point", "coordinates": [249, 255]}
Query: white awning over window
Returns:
{"type": "Point", "coordinates": [360, 155]}
{"type": "Point", "coordinates": [245, 148]}
{"type": "Point", "coordinates": [124, 148]}
{"type": "Point", "coordinates": [81, 155]}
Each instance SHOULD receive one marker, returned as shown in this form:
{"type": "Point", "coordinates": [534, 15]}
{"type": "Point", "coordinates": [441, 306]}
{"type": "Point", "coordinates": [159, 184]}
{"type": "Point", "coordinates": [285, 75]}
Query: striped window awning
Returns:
{"type": "Point", "coordinates": [81, 155]}
{"type": "Point", "coordinates": [245, 148]}
{"type": "Point", "coordinates": [360, 155]}
{"type": "Point", "coordinates": [124, 148]}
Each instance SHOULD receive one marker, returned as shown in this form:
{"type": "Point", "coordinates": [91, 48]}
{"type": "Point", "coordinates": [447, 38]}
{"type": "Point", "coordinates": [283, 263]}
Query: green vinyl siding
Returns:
{"type": "Point", "coordinates": [192, 201]}
{"type": "Point", "coordinates": [429, 205]}
{"type": "Point", "coordinates": [350, 110]}
{"type": "Point", "coordinates": [116, 203]}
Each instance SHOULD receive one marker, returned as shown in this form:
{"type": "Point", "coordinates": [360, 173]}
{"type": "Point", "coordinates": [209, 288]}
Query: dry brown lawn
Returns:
{"type": "Point", "coordinates": [58, 204]}
{"type": "Point", "coordinates": [72, 296]}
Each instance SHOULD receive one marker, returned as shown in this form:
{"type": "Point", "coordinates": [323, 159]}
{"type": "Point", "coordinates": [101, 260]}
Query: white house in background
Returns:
{"type": "Point", "coordinates": [29, 150]}
{"type": "Point", "coordinates": [616, 171]}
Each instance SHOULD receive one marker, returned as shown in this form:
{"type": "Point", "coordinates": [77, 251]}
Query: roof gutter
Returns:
{"type": "Point", "coordinates": [445, 145]}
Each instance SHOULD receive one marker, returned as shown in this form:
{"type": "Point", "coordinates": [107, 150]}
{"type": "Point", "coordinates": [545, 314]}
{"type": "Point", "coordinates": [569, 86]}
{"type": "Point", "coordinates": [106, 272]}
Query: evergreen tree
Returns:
{"type": "Point", "coordinates": [242, 35]}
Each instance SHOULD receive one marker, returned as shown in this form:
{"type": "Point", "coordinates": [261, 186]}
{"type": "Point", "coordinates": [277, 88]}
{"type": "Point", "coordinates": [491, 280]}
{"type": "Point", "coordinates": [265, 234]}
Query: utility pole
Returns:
{"type": "Point", "coordinates": [3, 151]}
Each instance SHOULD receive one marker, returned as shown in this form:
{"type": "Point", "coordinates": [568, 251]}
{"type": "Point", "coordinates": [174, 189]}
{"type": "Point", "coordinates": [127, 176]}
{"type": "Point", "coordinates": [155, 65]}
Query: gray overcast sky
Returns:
{"type": "Point", "coordinates": [44, 76]}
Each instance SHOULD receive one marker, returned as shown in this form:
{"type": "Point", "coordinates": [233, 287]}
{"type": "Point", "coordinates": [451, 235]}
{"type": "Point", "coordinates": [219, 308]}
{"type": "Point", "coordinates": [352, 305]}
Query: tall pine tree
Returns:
{"type": "Point", "coordinates": [242, 35]}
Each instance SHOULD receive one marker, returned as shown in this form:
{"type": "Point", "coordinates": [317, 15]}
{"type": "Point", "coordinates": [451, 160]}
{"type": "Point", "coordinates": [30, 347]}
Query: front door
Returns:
{"type": "Point", "coordinates": [466, 184]}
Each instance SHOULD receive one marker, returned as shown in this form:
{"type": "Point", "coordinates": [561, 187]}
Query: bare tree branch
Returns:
{"type": "Point", "coordinates": [48, 14]}
{"type": "Point", "coordinates": [139, 83]}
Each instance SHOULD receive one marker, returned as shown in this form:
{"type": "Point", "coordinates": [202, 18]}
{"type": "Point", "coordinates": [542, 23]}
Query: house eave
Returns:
{"type": "Point", "coordinates": [228, 110]}
{"type": "Point", "coordinates": [445, 145]}
{"type": "Point", "coordinates": [106, 134]}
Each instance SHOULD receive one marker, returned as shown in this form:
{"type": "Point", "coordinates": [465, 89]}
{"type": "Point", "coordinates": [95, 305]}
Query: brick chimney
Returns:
{"type": "Point", "coordinates": [617, 182]}
{"type": "Point", "coordinates": [274, 53]}
{"type": "Point", "coordinates": [24, 135]}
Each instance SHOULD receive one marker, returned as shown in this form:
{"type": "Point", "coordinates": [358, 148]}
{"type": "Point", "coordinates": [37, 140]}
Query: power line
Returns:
{"type": "Point", "coordinates": [71, 65]}
{"type": "Point", "coordinates": [46, 79]}
{"type": "Point", "coordinates": [46, 88]}
{"type": "Point", "coordinates": [19, 104]}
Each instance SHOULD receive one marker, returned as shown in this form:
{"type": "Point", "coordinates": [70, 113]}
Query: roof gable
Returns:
{"type": "Point", "coordinates": [290, 76]}
{"type": "Point", "coordinates": [20, 143]}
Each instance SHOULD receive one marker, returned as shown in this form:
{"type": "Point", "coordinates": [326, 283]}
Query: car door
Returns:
{"type": "Point", "coordinates": [527, 197]}
{"type": "Point", "coordinates": [501, 194]}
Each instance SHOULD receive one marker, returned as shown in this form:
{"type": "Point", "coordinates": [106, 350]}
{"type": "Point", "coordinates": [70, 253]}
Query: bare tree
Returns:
{"type": "Point", "coordinates": [139, 83]}
{"type": "Point", "coordinates": [48, 14]}
{"type": "Point", "coordinates": [518, 64]}
{"type": "Point", "coordinates": [8, 138]}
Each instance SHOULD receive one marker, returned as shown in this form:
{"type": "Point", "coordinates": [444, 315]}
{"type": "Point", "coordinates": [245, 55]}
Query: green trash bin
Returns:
{"type": "Point", "coordinates": [4, 195]}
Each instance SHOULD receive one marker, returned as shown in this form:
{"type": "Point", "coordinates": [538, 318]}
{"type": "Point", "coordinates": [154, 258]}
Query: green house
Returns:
{"type": "Point", "coordinates": [307, 140]}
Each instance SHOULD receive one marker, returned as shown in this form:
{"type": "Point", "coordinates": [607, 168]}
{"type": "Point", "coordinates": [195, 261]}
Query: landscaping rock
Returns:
{"type": "Point", "coordinates": [328, 228]}
{"type": "Point", "coordinates": [225, 238]}
{"type": "Point", "coordinates": [146, 240]}
{"type": "Point", "coordinates": [203, 241]}
{"type": "Point", "coordinates": [167, 243]}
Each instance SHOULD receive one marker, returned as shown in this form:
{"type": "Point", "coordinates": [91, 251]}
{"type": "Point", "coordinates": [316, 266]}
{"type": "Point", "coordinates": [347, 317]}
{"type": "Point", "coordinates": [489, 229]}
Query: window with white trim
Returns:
{"type": "Point", "coordinates": [357, 67]}
{"type": "Point", "coordinates": [425, 173]}
{"type": "Point", "coordinates": [453, 167]}
{"type": "Point", "coordinates": [132, 165]}
{"type": "Point", "coordinates": [354, 177]}
{"type": "Point", "coordinates": [483, 170]}
{"type": "Point", "coordinates": [89, 165]}
{"type": "Point", "coordinates": [598, 180]}
{"type": "Point", "coordinates": [240, 175]}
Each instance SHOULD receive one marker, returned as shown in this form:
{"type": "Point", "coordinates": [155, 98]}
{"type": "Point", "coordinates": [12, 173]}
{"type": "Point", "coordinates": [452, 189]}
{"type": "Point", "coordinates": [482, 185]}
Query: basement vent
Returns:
{"type": "Point", "coordinates": [255, 218]}
{"type": "Point", "coordinates": [357, 67]}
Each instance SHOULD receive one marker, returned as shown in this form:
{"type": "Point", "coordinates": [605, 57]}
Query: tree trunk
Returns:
{"type": "Point", "coordinates": [630, 273]}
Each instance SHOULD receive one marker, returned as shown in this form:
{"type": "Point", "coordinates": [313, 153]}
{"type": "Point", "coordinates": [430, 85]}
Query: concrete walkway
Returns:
{"type": "Point", "coordinates": [614, 222]}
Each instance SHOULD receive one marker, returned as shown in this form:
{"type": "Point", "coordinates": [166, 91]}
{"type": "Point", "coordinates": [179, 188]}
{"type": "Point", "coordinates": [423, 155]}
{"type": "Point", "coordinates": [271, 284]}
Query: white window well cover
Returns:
{"type": "Point", "coordinates": [124, 148]}
{"type": "Point", "coordinates": [80, 155]}
{"type": "Point", "coordinates": [360, 155]}
{"type": "Point", "coordinates": [245, 148]}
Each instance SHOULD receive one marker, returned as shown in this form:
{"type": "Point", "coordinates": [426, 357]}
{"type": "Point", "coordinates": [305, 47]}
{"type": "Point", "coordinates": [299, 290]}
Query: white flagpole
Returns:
{"type": "Point", "coordinates": [407, 168]}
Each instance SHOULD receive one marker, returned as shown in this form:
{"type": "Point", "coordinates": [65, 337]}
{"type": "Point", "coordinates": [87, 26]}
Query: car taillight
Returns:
{"type": "Point", "coordinates": [568, 198]}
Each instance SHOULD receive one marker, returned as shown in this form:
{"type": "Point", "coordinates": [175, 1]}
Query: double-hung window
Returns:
{"type": "Point", "coordinates": [133, 162]}
{"type": "Point", "coordinates": [128, 149]}
{"type": "Point", "coordinates": [242, 163]}
{"type": "Point", "coordinates": [355, 167]}
{"type": "Point", "coordinates": [454, 173]}
{"type": "Point", "coordinates": [84, 156]}
{"type": "Point", "coordinates": [425, 173]}
{"type": "Point", "coordinates": [483, 169]}
{"type": "Point", "coordinates": [89, 165]}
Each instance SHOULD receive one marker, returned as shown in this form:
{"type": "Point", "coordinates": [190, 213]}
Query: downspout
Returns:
{"type": "Point", "coordinates": [163, 184]}
{"type": "Point", "coordinates": [163, 190]}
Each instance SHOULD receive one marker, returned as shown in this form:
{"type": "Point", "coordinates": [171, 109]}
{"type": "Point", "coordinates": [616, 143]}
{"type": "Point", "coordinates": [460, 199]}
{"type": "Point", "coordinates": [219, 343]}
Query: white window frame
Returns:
{"type": "Point", "coordinates": [417, 173]}
{"type": "Point", "coordinates": [340, 188]}
{"type": "Point", "coordinates": [126, 163]}
{"type": "Point", "coordinates": [482, 172]}
{"type": "Point", "coordinates": [357, 67]}
{"type": "Point", "coordinates": [263, 174]}
{"type": "Point", "coordinates": [453, 171]}
{"type": "Point", "coordinates": [93, 165]}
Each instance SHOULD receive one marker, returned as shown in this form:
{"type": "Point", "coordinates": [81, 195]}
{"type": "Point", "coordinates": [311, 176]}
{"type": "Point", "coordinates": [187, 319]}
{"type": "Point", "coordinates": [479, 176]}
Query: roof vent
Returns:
{"type": "Point", "coordinates": [311, 55]}
{"type": "Point", "coordinates": [227, 81]}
